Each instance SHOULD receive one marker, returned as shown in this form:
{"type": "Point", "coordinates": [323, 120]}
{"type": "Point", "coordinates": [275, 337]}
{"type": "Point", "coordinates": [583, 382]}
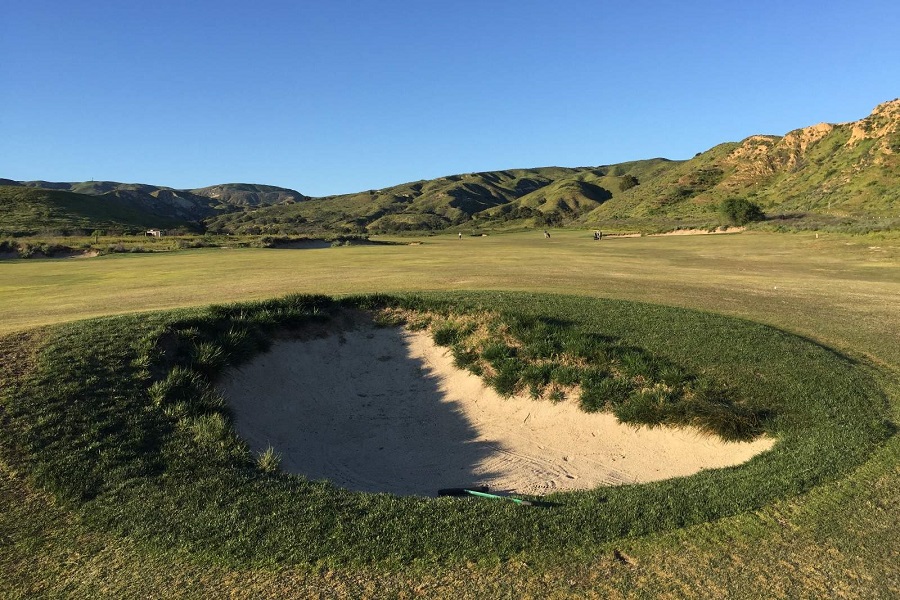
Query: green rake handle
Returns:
{"type": "Point", "coordinates": [496, 497]}
{"type": "Point", "coordinates": [481, 494]}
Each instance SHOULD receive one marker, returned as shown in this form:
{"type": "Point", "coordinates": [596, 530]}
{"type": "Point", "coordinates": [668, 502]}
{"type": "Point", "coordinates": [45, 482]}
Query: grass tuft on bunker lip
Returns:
{"type": "Point", "coordinates": [550, 358]}
{"type": "Point", "coordinates": [117, 420]}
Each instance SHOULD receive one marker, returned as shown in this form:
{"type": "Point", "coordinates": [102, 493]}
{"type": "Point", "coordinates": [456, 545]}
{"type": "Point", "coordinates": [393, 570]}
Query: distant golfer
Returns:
{"type": "Point", "coordinates": [546, 234]}
{"type": "Point", "coordinates": [460, 236]}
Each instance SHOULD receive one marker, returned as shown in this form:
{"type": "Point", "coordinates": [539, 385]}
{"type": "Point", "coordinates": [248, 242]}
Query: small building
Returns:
{"type": "Point", "coordinates": [153, 233]}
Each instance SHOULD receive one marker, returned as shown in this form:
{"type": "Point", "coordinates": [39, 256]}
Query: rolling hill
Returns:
{"type": "Point", "coordinates": [847, 172]}
{"type": "Point", "coordinates": [29, 211]}
{"type": "Point", "coordinates": [837, 175]}
{"type": "Point", "coordinates": [31, 207]}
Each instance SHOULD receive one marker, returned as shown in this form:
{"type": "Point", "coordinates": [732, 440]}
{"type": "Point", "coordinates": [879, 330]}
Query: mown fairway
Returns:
{"type": "Point", "coordinates": [841, 290]}
{"type": "Point", "coordinates": [839, 538]}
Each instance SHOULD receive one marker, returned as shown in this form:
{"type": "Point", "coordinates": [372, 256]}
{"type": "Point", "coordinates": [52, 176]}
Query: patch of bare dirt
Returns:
{"type": "Point", "coordinates": [701, 231]}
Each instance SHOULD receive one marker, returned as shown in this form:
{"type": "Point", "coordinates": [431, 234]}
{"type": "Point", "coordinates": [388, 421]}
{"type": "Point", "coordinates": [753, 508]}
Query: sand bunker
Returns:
{"type": "Point", "coordinates": [385, 410]}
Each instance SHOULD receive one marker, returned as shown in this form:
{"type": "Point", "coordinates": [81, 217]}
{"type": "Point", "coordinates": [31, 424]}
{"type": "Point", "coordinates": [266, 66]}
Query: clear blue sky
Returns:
{"type": "Point", "coordinates": [335, 96]}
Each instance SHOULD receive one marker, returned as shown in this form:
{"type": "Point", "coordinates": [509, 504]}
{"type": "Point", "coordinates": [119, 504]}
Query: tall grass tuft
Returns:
{"type": "Point", "coordinates": [209, 358]}
{"type": "Point", "coordinates": [269, 461]}
{"type": "Point", "coordinates": [599, 394]}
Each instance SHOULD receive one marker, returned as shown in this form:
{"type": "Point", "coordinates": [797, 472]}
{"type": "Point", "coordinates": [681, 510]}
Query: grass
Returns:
{"type": "Point", "coordinates": [547, 356]}
{"type": "Point", "coordinates": [789, 281]}
{"type": "Point", "coordinates": [57, 246]}
{"type": "Point", "coordinates": [117, 424]}
{"type": "Point", "coordinates": [838, 536]}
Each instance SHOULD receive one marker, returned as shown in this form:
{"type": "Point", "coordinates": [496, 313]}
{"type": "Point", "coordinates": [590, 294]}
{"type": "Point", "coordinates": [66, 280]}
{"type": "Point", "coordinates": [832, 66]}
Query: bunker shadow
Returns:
{"type": "Point", "coordinates": [356, 408]}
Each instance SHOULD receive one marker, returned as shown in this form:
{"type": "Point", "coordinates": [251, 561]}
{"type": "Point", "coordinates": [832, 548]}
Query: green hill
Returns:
{"type": "Point", "coordinates": [230, 194]}
{"type": "Point", "coordinates": [29, 211]}
{"type": "Point", "coordinates": [845, 175]}
{"type": "Point", "coordinates": [31, 207]}
{"type": "Point", "coordinates": [249, 194]}
{"type": "Point", "coordinates": [435, 204]}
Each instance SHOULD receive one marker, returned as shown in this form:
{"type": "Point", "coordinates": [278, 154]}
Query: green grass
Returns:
{"type": "Point", "coordinates": [117, 424]}
{"type": "Point", "coordinates": [790, 281]}
{"type": "Point", "coordinates": [837, 537]}
{"type": "Point", "coordinates": [546, 355]}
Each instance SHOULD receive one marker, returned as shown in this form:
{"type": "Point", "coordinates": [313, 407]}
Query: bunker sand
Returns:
{"type": "Point", "coordinates": [385, 410]}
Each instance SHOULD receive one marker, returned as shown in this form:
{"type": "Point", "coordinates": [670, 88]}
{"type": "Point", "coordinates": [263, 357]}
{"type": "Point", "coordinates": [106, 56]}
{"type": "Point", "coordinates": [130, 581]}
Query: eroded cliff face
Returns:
{"type": "Point", "coordinates": [762, 155]}
{"type": "Point", "coordinates": [882, 126]}
{"type": "Point", "coordinates": [845, 171]}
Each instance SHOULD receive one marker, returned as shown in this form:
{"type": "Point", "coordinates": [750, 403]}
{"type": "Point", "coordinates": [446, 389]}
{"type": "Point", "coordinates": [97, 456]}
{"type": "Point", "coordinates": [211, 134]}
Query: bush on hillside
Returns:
{"type": "Point", "coordinates": [626, 182]}
{"type": "Point", "coordinates": [738, 211]}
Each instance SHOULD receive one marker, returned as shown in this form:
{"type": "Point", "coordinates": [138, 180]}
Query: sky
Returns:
{"type": "Point", "coordinates": [339, 96]}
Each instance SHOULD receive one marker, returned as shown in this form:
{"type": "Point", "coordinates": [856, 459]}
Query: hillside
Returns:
{"type": "Point", "coordinates": [529, 197]}
{"type": "Point", "coordinates": [30, 207]}
{"type": "Point", "coordinates": [30, 211]}
{"type": "Point", "coordinates": [227, 194]}
{"type": "Point", "coordinates": [836, 175]}
{"type": "Point", "coordinates": [249, 194]}
{"type": "Point", "coordinates": [846, 172]}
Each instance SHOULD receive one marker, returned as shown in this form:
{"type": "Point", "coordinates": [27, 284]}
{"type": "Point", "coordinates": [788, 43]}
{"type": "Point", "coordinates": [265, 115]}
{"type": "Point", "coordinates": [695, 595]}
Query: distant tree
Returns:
{"type": "Point", "coordinates": [739, 211]}
{"type": "Point", "coordinates": [552, 218]}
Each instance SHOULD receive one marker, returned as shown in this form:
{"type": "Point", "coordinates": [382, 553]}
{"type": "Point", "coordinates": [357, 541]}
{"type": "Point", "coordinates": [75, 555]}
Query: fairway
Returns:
{"type": "Point", "coordinates": [841, 290]}
{"type": "Point", "coordinates": [823, 514]}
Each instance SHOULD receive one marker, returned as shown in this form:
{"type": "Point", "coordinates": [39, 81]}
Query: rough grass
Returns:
{"type": "Point", "coordinates": [551, 358]}
{"type": "Point", "coordinates": [118, 426]}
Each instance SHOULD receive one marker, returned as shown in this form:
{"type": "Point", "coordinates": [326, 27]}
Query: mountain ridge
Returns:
{"type": "Point", "coordinates": [823, 173]}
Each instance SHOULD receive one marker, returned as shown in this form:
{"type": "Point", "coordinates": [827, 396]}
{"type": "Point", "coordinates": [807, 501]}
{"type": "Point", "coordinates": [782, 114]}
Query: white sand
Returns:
{"type": "Point", "coordinates": [385, 410]}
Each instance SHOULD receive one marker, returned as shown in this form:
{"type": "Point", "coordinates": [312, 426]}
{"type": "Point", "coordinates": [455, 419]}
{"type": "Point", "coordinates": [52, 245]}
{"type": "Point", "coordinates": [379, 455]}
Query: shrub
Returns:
{"type": "Point", "coordinates": [738, 211]}
{"type": "Point", "coordinates": [626, 182]}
